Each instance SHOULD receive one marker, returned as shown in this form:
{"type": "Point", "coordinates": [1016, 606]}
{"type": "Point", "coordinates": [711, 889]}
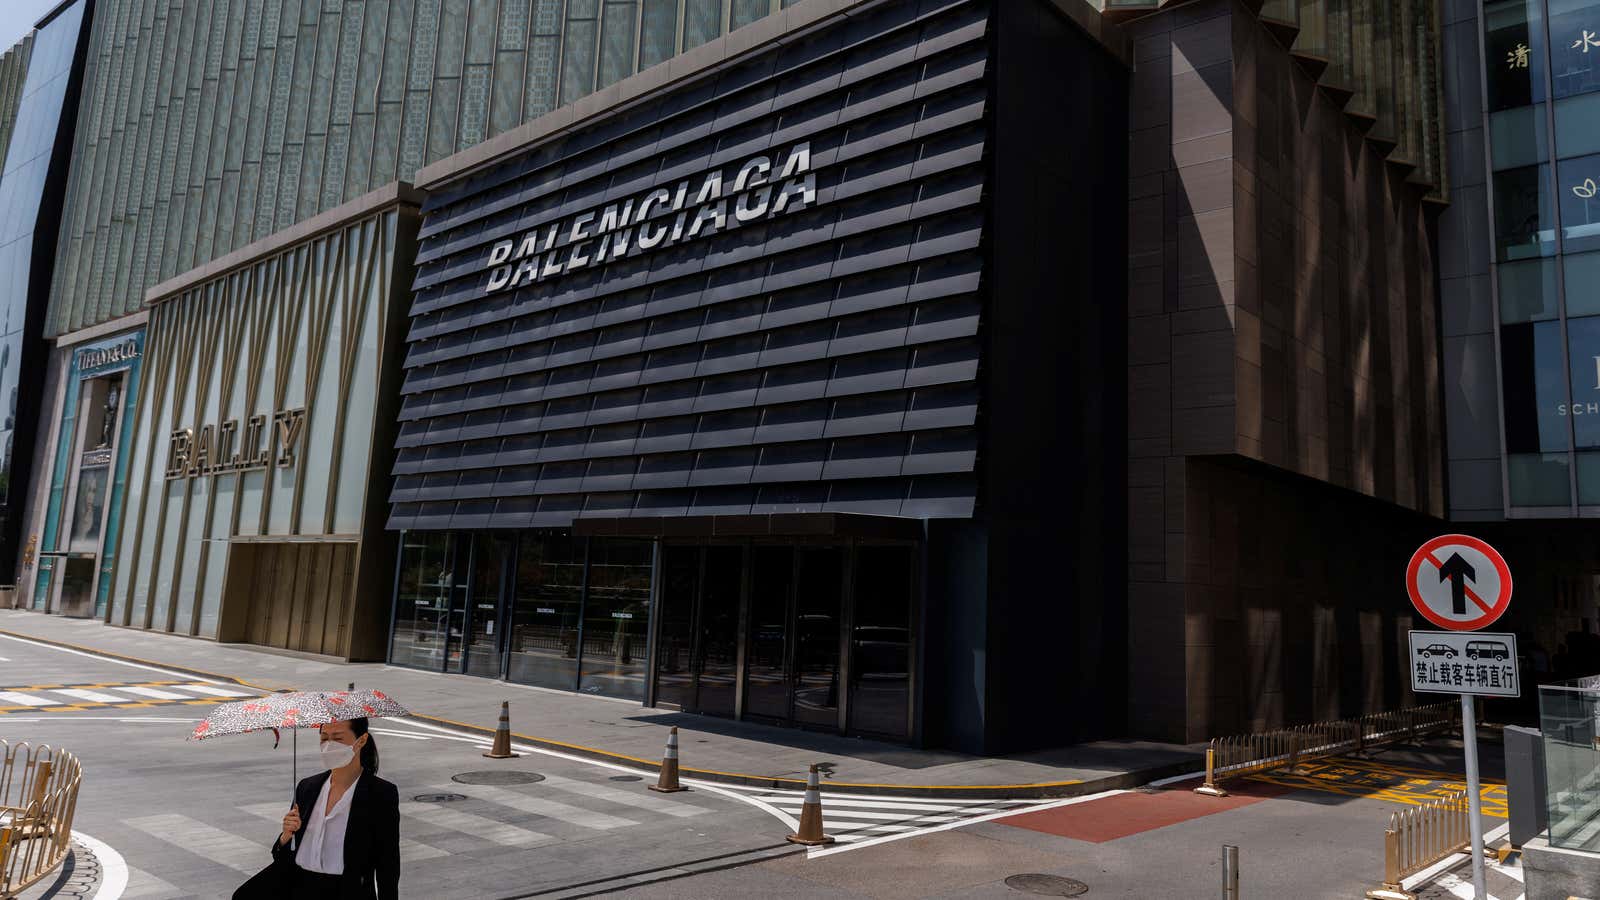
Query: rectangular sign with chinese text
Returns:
{"type": "Point", "coordinates": [1465, 662]}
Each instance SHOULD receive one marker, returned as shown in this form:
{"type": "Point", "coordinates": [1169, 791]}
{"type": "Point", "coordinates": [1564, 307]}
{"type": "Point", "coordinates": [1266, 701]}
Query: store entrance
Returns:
{"type": "Point", "coordinates": [814, 636]}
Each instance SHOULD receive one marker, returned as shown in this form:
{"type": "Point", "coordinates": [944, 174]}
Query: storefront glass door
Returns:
{"type": "Point", "coordinates": [771, 625]}
{"type": "Point", "coordinates": [718, 649]}
{"type": "Point", "coordinates": [422, 604]}
{"type": "Point", "coordinates": [485, 631]}
{"type": "Point", "coordinates": [819, 604]}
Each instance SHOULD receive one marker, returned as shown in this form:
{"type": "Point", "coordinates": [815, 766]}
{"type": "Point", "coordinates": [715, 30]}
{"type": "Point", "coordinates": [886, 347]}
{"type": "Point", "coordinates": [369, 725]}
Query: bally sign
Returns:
{"type": "Point", "coordinates": [213, 451]}
{"type": "Point", "coordinates": [660, 218]}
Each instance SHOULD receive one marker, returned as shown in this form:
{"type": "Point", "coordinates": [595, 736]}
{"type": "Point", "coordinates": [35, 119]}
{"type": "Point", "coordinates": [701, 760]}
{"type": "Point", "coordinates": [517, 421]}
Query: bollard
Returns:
{"type": "Point", "coordinates": [1210, 788]}
{"type": "Point", "coordinates": [810, 833]}
{"type": "Point", "coordinates": [502, 735]}
{"type": "Point", "coordinates": [1230, 872]}
{"type": "Point", "coordinates": [668, 782]}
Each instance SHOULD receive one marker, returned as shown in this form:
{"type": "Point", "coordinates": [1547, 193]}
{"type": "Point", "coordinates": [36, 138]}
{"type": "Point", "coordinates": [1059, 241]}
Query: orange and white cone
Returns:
{"type": "Point", "coordinates": [502, 734]}
{"type": "Point", "coordinates": [668, 782]}
{"type": "Point", "coordinates": [810, 833]}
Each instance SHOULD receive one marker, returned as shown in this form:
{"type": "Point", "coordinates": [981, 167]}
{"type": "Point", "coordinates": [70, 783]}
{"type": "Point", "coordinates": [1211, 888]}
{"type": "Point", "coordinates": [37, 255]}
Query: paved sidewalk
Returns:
{"type": "Point", "coordinates": [626, 732]}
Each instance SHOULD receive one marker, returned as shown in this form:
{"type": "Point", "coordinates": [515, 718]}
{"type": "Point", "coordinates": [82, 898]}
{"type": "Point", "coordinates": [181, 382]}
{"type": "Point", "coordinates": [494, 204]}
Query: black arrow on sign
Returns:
{"type": "Point", "coordinates": [1459, 572]}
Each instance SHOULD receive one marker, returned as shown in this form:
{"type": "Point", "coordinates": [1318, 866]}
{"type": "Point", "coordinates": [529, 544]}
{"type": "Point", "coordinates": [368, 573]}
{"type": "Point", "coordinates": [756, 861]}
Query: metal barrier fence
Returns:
{"type": "Point", "coordinates": [38, 798]}
{"type": "Point", "coordinates": [1246, 754]}
{"type": "Point", "coordinates": [1419, 837]}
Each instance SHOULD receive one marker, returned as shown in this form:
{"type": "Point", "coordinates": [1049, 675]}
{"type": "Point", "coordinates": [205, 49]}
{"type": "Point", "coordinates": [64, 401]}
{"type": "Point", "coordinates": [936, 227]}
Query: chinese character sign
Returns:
{"type": "Point", "coordinates": [1457, 662]}
{"type": "Point", "coordinates": [1517, 57]}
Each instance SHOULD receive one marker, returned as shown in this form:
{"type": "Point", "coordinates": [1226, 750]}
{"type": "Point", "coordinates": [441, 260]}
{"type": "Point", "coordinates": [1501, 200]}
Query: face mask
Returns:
{"type": "Point", "coordinates": [335, 755]}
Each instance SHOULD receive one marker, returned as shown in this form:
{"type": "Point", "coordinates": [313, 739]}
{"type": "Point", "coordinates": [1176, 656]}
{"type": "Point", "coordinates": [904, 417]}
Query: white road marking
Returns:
{"type": "Point", "coordinates": [650, 802]}
{"type": "Point", "coordinates": [91, 696]}
{"type": "Point", "coordinates": [17, 698]}
{"type": "Point", "coordinates": [213, 691]}
{"type": "Point", "coordinates": [400, 734]}
{"type": "Point", "coordinates": [410, 851]}
{"type": "Point", "coordinates": [109, 659]}
{"type": "Point", "coordinates": [478, 826]}
{"type": "Point", "coordinates": [143, 884]}
{"type": "Point", "coordinates": [1032, 806]}
{"type": "Point", "coordinates": [153, 693]}
{"type": "Point", "coordinates": [539, 806]}
{"type": "Point", "coordinates": [113, 868]}
{"type": "Point", "coordinates": [203, 840]}
{"type": "Point", "coordinates": [4, 659]}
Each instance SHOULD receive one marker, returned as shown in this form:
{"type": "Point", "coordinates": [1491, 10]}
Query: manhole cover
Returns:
{"type": "Point", "coordinates": [625, 778]}
{"type": "Point", "coordinates": [1047, 885]}
{"type": "Point", "coordinates": [438, 798]}
{"type": "Point", "coordinates": [497, 777]}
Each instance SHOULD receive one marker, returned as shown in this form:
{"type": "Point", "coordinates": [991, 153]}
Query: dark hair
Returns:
{"type": "Point", "coordinates": [369, 753]}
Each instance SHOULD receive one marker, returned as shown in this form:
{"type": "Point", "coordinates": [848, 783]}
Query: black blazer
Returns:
{"type": "Point", "coordinates": [371, 836]}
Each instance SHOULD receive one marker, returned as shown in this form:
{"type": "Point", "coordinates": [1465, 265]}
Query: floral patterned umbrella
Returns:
{"type": "Point", "coordinates": [295, 710]}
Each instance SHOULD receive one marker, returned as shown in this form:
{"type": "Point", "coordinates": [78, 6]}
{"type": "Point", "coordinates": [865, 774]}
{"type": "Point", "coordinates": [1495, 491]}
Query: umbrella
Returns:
{"type": "Point", "coordinates": [295, 710]}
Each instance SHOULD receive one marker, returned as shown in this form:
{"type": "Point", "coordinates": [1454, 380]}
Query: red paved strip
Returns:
{"type": "Point", "coordinates": [1109, 818]}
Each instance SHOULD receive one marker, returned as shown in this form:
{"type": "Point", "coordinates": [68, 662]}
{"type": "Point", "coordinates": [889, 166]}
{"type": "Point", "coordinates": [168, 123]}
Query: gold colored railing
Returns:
{"type": "Point", "coordinates": [1419, 837]}
{"type": "Point", "coordinates": [1246, 754]}
{"type": "Point", "coordinates": [38, 798]}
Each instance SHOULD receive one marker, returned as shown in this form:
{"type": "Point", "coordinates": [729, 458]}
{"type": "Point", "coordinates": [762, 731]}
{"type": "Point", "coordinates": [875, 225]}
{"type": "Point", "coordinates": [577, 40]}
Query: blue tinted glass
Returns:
{"type": "Point", "coordinates": [1583, 339]}
{"type": "Point", "coordinates": [1535, 387]}
{"type": "Point", "coordinates": [1513, 40]}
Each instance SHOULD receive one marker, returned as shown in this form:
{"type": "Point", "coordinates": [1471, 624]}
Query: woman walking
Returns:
{"type": "Point", "coordinates": [341, 839]}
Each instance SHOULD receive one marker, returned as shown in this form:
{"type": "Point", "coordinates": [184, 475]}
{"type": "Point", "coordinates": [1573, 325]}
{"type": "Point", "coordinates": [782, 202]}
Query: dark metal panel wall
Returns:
{"type": "Point", "coordinates": [821, 360]}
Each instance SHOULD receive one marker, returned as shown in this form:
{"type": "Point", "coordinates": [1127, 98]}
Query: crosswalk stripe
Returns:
{"type": "Point", "coordinates": [152, 693]}
{"type": "Point", "coordinates": [410, 850]}
{"type": "Point", "coordinates": [210, 691]}
{"type": "Point", "coordinates": [203, 840]}
{"type": "Point", "coordinates": [13, 698]}
{"type": "Point", "coordinates": [91, 696]}
{"type": "Point", "coordinates": [831, 802]}
{"type": "Point", "coordinates": [142, 884]}
{"type": "Point", "coordinates": [624, 798]}
{"type": "Point", "coordinates": [482, 827]}
{"type": "Point", "coordinates": [877, 816]}
{"type": "Point", "coordinates": [540, 806]}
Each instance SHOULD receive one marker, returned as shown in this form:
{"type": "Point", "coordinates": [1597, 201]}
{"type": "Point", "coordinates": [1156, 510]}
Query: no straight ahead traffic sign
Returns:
{"type": "Point", "coordinates": [1459, 582]}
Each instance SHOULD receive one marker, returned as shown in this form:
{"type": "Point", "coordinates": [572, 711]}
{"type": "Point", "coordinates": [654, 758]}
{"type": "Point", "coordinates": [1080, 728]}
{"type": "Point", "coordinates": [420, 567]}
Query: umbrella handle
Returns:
{"type": "Point", "coordinates": [294, 772]}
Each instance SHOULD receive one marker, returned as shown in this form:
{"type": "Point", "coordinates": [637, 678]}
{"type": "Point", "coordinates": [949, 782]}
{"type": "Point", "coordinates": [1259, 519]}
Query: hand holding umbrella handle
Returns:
{"type": "Point", "coordinates": [291, 826]}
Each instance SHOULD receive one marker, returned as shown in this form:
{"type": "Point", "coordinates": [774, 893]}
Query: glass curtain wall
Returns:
{"type": "Point", "coordinates": [1543, 107]}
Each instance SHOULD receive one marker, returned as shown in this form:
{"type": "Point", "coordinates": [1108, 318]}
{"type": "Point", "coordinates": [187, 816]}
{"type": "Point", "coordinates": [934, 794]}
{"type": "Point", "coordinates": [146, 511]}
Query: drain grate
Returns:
{"type": "Point", "coordinates": [1047, 885]}
{"type": "Point", "coordinates": [625, 778]}
{"type": "Point", "coordinates": [500, 776]}
{"type": "Point", "coordinates": [439, 798]}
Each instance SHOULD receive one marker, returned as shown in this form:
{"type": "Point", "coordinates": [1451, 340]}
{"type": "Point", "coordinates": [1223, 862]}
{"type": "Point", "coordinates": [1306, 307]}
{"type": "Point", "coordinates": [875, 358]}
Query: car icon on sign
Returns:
{"type": "Point", "coordinates": [1488, 650]}
{"type": "Point", "coordinates": [1443, 650]}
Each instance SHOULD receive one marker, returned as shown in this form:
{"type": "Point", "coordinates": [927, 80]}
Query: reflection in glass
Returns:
{"type": "Point", "coordinates": [1569, 727]}
{"type": "Point", "coordinates": [1535, 388]}
{"type": "Point", "coordinates": [1514, 43]}
{"type": "Point", "coordinates": [483, 631]}
{"type": "Point", "coordinates": [719, 631]}
{"type": "Point", "coordinates": [880, 665]}
{"type": "Point", "coordinates": [817, 625]}
{"type": "Point", "coordinates": [1574, 46]}
{"type": "Point", "coordinates": [422, 606]}
{"type": "Point", "coordinates": [1582, 272]}
{"type": "Point", "coordinates": [1578, 125]}
{"type": "Point", "coordinates": [1583, 342]}
{"type": "Point", "coordinates": [766, 668]}
{"type": "Point", "coordinates": [616, 619]}
{"type": "Point", "coordinates": [1517, 137]}
{"type": "Point", "coordinates": [1580, 203]}
{"type": "Point", "coordinates": [1589, 478]}
{"type": "Point", "coordinates": [1523, 214]}
{"type": "Point", "coordinates": [680, 568]}
{"type": "Point", "coordinates": [1528, 290]}
{"type": "Point", "coordinates": [1538, 479]}
{"type": "Point", "coordinates": [549, 592]}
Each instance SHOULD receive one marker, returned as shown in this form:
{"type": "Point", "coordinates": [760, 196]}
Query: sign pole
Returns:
{"type": "Point", "coordinates": [1469, 737]}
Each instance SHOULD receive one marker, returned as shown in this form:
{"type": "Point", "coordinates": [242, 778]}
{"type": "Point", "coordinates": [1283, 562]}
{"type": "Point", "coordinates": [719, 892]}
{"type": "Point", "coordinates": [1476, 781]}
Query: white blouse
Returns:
{"type": "Point", "coordinates": [322, 847]}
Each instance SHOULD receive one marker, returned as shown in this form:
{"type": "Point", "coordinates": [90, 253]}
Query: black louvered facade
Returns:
{"type": "Point", "coordinates": [842, 370]}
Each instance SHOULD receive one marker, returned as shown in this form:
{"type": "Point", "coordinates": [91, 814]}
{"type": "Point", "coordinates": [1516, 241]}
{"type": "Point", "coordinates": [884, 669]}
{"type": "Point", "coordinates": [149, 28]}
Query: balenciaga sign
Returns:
{"type": "Point", "coordinates": [213, 450]}
{"type": "Point", "coordinates": [658, 218]}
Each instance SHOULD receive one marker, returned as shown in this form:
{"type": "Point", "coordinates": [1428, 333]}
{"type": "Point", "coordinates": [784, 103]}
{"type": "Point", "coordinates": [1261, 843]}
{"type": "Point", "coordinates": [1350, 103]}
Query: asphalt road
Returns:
{"type": "Point", "coordinates": [195, 819]}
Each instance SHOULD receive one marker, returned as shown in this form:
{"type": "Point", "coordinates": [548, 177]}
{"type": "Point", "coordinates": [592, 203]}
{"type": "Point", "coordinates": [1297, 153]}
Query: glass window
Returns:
{"type": "Point", "coordinates": [422, 606]}
{"type": "Point", "coordinates": [658, 32]}
{"type": "Point", "coordinates": [1538, 479]}
{"type": "Point", "coordinates": [1580, 203]}
{"type": "Point", "coordinates": [702, 21]}
{"type": "Point", "coordinates": [545, 612]}
{"type": "Point", "coordinates": [1514, 42]}
{"type": "Point", "coordinates": [1569, 725]}
{"type": "Point", "coordinates": [616, 619]}
{"type": "Point", "coordinates": [746, 11]}
{"type": "Point", "coordinates": [675, 640]}
{"type": "Point", "coordinates": [1535, 388]}
{"type": "Point", "coordinates": [1582, 271]}
{"type": "Point", "coordinates": [616, 41]}
{"type": "Point", "coordinates": [766, 663]}
{"type": "Point", "coordinates": [1589, 478]}
{"type": "Point", "coordinates": [1517, 137]}
{"type": "Point", "coordinates": [1577, 125]}
{"type": "Point", "coordinates": [1523, 214]}
{"type": "Point", "coordinates": [1574, 46]}
{"type": "Point", "coordinates": [817, 625]}
{"type": "Point", "coordinates": [577, 59]}
{"type": "Point", "coordinates": [1583, 342]}
{"type": "Point", "coordinates": [880, 644]}
{"type": "Point", "coordinates": [1528, 290]}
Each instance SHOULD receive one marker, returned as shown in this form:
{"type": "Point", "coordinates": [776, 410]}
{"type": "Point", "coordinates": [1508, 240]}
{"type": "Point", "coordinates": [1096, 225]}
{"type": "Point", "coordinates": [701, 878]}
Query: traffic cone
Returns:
{"type": "Point", "coordinates": [810, 832]}
{"type": "Point", "coordinates": [502, 735]}
{"type": "Point", "coordinates": [668, 782]}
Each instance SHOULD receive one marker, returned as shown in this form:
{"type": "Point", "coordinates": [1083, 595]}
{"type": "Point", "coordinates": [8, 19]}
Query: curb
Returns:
{"type": "Point", "coordinates": [1049, 790]}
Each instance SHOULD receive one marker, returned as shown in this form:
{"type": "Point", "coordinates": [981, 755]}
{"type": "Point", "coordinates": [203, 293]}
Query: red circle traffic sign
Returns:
{"type": "Point", "coordinates": [1459, 582]}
